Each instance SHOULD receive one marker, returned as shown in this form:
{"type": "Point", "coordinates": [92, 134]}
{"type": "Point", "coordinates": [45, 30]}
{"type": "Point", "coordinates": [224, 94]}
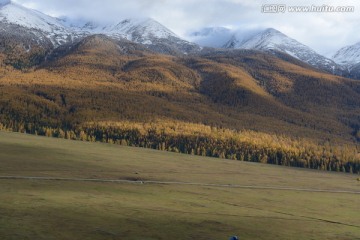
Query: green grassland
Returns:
{"type": "Point", "coordinates": [41, 209]}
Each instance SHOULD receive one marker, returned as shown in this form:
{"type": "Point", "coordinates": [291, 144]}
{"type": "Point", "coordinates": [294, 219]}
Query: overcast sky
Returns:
{"type": "Point", "coordinates": [324, 32]}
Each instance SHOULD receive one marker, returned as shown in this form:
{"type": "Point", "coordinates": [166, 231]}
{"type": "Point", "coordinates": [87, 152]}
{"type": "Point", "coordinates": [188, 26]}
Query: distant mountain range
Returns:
{"type": "Point", "coordinates": [38, 35]}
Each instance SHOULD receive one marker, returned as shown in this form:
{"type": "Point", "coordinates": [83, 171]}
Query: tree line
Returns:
{"type": "Point", "coordinates": [202, 140]}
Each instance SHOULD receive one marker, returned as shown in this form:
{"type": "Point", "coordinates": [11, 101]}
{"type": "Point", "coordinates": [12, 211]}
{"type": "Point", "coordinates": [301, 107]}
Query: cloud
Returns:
{"type": "Point", "coordinates": [324, 32]}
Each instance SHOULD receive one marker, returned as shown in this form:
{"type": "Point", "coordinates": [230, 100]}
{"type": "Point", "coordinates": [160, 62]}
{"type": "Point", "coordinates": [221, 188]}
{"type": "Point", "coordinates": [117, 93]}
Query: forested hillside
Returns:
{"type": "Point", "coordinates": [240, 105]}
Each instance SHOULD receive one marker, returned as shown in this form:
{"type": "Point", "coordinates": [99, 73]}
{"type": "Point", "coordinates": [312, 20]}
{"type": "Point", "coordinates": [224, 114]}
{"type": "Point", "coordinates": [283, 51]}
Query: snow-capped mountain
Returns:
{"type": "Point", "coordinates": [28, 36]}
{"type": "Point", "coordinates": [272, 40]}
{"type": "Point", "coordinates": [145, 31]}
{"type": "Point", "coordinates": [215, 37]}
{"type": "Point", "coordinates": [348, 56]}
{"type": "Point", "coordinates": [41, 25]}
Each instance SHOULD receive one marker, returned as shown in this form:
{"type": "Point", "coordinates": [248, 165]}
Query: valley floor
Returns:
{"type": "Point", "coordinates": [67, 200]}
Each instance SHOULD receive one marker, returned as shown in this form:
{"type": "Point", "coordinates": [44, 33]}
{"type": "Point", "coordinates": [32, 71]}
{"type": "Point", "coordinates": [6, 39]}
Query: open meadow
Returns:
{"type": "Point", "coordinates": [167, 196]}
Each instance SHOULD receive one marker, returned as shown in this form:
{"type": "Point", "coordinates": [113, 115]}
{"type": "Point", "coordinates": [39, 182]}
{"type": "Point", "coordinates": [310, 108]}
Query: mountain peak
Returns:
{"type": "Point", "coordinates": [255, 39]}
{"type": "Point", "coordinates": [272, 30]}
{"type": "Point", "coordinates": [349, 55]}
{"type": "Point", "coordinates": [145, 26]}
